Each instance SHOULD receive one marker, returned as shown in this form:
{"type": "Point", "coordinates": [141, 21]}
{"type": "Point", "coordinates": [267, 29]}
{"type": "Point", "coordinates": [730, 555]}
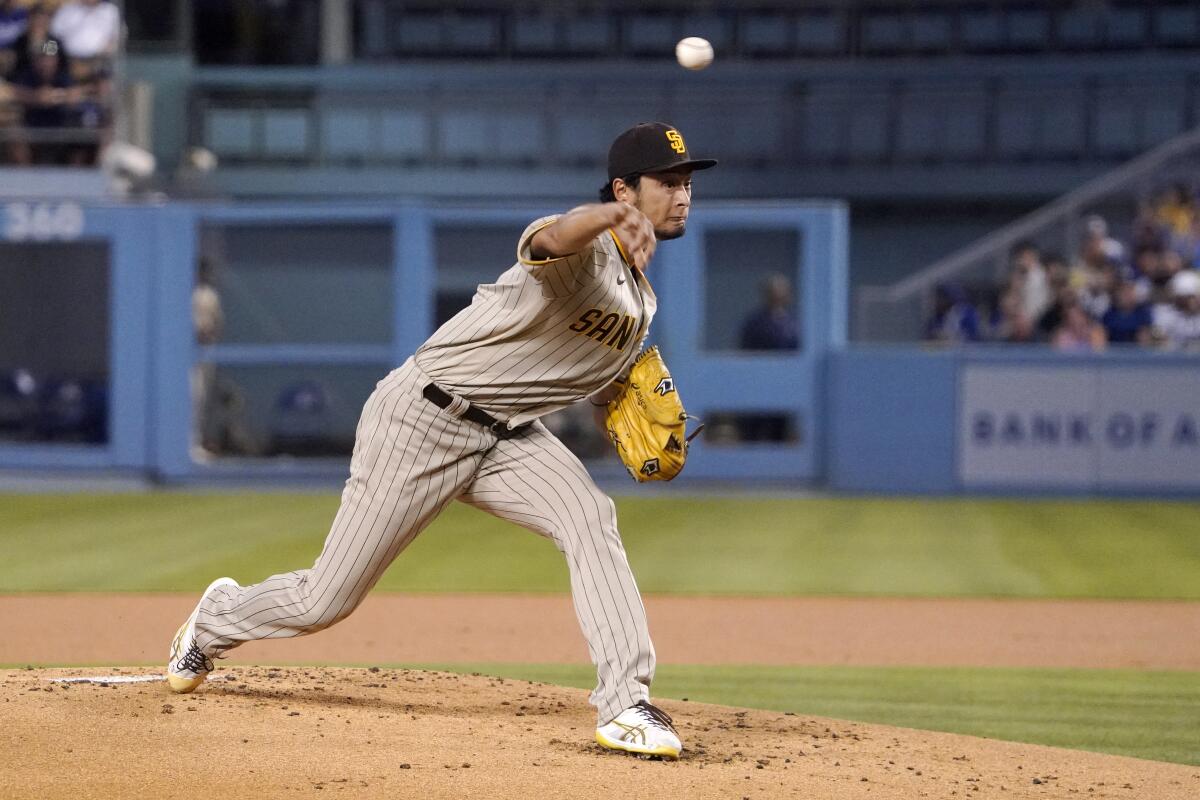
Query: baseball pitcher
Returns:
{"type": "Point", "coordinates": [460, 420]}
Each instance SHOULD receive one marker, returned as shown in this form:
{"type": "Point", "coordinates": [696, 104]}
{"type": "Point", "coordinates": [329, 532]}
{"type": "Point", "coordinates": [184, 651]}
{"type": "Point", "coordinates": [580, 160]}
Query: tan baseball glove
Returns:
{"type": "Point", "coordinates": [646, 421]}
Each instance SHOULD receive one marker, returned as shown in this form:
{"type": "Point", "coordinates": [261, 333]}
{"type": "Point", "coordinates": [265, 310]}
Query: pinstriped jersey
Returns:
{"type": "Point", "coordinates": [546, 334]}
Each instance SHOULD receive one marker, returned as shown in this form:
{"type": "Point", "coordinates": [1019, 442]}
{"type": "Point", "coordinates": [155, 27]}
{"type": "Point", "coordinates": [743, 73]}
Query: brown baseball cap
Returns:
{"type": "Point", "coordinates": [651, 147]}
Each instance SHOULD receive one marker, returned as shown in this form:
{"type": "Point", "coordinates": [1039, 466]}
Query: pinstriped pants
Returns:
{"type": "Point", "coordinates": [410, 460]}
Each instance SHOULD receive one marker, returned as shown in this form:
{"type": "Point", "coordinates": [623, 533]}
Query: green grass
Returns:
{"type": "Point", "coordinates": [1125, 712]}
{"type": "Point", "coordinates": [852, 546]}
{"type": "Point", "coordinates": [686, 544]}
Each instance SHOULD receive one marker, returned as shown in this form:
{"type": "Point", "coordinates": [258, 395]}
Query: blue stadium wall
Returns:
{"type": "Point", "coordinates": [1020, 421]}
{"type": "Point", "coordinates": [345, 293]}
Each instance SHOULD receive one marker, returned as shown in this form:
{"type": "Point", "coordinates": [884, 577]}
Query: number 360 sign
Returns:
{"type": "Point", "coordinates": [42, 222]}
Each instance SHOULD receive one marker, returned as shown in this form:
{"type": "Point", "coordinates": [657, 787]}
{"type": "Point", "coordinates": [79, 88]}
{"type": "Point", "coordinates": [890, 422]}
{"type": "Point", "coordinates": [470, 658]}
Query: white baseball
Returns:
{"type": "Point", "coordinates": [694, 52]}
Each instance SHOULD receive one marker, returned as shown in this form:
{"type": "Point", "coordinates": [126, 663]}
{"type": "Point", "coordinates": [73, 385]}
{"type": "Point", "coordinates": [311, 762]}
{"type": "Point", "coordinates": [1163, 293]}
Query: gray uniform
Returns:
{"type": "Point", "coordinates": [545, 335]}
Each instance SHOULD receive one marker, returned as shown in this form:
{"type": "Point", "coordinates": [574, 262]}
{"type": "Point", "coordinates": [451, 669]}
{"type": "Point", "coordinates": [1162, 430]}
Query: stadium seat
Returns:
{"type": "Point", "coordinates": [820, 34]}
{"type": "Point", "coordinates": [1134, 115]}
{"type": "Point", "coordinates": [589, 34]}
{"type": "Point", "coordinates": [300, 423]}
{"type": "Point", "coordinates": [73, 410]}
{"type": "Point", "coordinates": [404, 133]}
{"type": "Point", "coordinates": [940, 121]}
{"type": "Point", "coordinates": [1114, 130]}
{"type": "Point", "coordinates": [464, 134]}
{"type": "Point", "coordinates": [714, 27]}
{"type": "Point", "coordinates": [578, 140]}
{"type": "Point", "coordinates": [1029, 29]}
{"type": "Point", "coordinates": [823, 113]}
{"type": "Point", "coordinates": [1163, 116]}
{"type": "Point", "coordinates": [18, 404]}
{"type": "Point", "coordinates": [285, 133]}
{"type": "Point", "coordinates": [473, 33]}
{"type": "Point", "coordinates": [645, 34]}
{"type": "Point", "coordinates": [846, 121]}
{"type": "Point", "coordinates": [1125, 27]}
{"type": "Point", "coordinates": [369, 130]}
{"type": "Point", "coordinates": [230, 132]}
{"type": "Point", "coordinates": [1034, 120]}
{"type": "Point", "coordinates": [930, 31]}
{"type": "Point", "coordinates": [420, 34]}
{"type": "Point", "coordinates": [346, 133]}
{"type": "Point", "coordinates": [868, 137]}
{"type": "Point", "coordinates": [753, 128]}
{"type": "Point", "coordinates": [982, 30]}
{"type": "Point", "coordinates": [372, 41]}
{"type": "Point", "coordinates": [534, 34]}
{"type": "Point", "coordinates": [1176, 25]}
{"type": "Point", "coordinates": [765, 34]}
{"type": "Point", "coordinates": [883, 33]}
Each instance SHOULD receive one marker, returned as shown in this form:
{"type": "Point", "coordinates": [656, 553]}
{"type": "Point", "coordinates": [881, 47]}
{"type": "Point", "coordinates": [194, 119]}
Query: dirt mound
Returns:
{"type": "Point", "coordinates": [315, 732]}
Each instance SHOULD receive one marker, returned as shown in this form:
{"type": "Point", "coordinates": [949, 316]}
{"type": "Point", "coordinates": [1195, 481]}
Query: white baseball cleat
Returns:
{"type": "Point", "coordinates": [642, 729]}
{"type": "Point", "coordinates": [188, 666]}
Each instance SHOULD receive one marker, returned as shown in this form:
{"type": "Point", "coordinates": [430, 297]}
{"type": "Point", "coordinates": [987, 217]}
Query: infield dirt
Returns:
{"type": "Point", "coordinates": [57, 629]}
{"type": "Point", "coordinates": [371, 733]}
{"type": "Point", "coordinates": [320, 731]}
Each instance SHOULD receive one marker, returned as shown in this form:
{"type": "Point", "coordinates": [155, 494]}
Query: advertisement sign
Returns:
{"type": "Point", "coordinates": [1081, 427]}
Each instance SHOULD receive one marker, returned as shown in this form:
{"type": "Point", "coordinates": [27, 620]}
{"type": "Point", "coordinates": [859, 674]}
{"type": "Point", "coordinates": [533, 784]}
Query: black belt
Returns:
{"type": "Point", "coordinates": [442, 399]}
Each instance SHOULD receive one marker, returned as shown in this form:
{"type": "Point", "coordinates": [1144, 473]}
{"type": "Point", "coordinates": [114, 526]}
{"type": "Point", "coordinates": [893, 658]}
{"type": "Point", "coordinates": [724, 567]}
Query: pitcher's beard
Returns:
{"type": "Point", "coordinates": [668, 235]}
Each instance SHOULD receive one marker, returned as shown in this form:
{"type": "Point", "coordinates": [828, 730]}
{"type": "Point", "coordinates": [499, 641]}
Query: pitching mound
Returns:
{"type": "Point", "coordinates": [283, 733]}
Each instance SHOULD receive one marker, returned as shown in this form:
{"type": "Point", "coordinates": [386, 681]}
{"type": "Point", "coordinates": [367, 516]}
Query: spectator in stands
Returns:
{"type": "Point", "coordinates": [1147, 231]}
{"type": "Point", "coordinates": [771, 328]}
{"type": "Point", "coordinates": [92, 114]}
{"type": "Point", "coordinates": [1097, 296]}
{"type": "Point", "coordinates": [1175, 214]}
{"type": "Point", "coordinates": [49, 96]}
{"type": "Point", "coordinates": [1065, 295]}
{"type": "Point", "coordinates": [773, 325]}
{"type": "Point", "coordinates": [1191, 257]}
{"type": "Point", "coordinates": [1056, 266]}
{"type": "Point", "coordinates": [1147, 263]}
{"type": "Point", "coordinates": [1177, 325]}
{"type": "Point", "coordinates": [208, 320]}
{"type": "Point", "coordinates": [88, 29]}
{"type": "Point", "coordinates": [1175, 211]}
{"type": "Point", "coordinates": [1170, 265]}
{"type": "Point", "coordinates": [954, 319]}
{"type": "Point", "coordinates": [1078, 332]}
{"type": "Point", "coordinates": [1096, 251]}
{"type": "Point", "coordinates": [1028, 277]}
{"type": "Point", "coordinates": [1128, 320]}
{"type": "Point", "coordinates": [1187, 248]}
{"type": "Point", "coordinates": [36, 34]}
{"type": "Point", "coordinates": [14, 19]}
{"type": "Point", "coordinates": [88, 111]}
{"type": "Point", "coordinates": [1010, 323]}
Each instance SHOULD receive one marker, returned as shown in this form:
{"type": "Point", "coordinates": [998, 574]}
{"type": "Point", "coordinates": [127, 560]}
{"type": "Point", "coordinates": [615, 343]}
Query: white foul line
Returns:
{"type": "Point", "coordinates": [110, 679]}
